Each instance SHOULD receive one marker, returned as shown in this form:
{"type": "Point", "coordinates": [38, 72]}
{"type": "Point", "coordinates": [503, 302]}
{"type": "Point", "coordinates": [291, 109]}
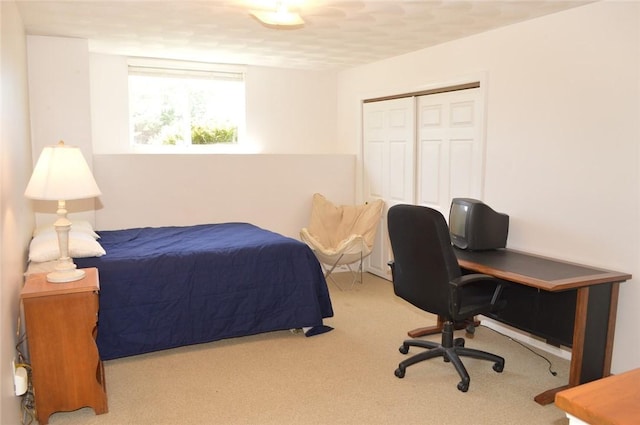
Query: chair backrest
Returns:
{"type": "Point", "coordinates": [331, 224]}
{"type": "Point", "coordinates": [424, 260]}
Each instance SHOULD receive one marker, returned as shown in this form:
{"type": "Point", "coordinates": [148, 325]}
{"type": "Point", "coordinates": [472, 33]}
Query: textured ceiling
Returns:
{"type": "Point", "coordinates": [336, 34]}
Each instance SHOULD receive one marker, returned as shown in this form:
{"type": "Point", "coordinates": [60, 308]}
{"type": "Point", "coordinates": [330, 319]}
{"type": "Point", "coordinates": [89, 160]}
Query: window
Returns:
{"type": "Point", "coordinates": [178, 104]}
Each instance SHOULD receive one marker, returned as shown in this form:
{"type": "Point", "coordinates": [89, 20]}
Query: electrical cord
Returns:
{"type": "Point", "coordinates": [28, 399]}
{"type": "Point", "coordinates": [551, 371]}
{"type": "Point", "coordinates": [28, 404]}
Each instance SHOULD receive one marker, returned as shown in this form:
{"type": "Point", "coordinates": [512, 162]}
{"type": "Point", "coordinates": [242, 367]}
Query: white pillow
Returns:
{"type": "Point", "coordinates": [44, 247]}
{"type": "Point", "coordinates": [76, 226]}
{"type": "Point", "coordinates": [46, 267]}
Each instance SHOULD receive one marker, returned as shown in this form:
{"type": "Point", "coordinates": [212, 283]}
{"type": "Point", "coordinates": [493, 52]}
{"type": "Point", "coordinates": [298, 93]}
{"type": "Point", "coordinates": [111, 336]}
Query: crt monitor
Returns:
{"type": "Point", "coordinates": [474, 225]}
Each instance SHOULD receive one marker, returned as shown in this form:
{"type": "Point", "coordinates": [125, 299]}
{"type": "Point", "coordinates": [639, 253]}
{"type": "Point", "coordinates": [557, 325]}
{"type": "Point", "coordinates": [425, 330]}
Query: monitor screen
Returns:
{"type": "Point", "coordinates": [458, 219]}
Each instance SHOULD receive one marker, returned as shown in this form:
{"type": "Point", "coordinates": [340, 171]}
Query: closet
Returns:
{"type": "Point", "coordinates": [421, 148]}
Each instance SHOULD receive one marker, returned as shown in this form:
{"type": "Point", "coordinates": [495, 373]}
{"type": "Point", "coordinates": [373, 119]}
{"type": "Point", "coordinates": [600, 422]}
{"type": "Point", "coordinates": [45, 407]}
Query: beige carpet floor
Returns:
{"type": "Point", "coordinates": [345, 376]}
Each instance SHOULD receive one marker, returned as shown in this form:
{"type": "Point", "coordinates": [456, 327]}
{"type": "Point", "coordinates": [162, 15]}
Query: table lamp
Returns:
{"type": "Point", "coordinates": [62, 174]}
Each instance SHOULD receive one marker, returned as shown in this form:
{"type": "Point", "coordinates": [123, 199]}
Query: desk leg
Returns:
{"type": "Point", "coordinates": [579, 329]}
{"type": "Point", "coordinates": [613, 310]}
{"type": "Point", "coordinates": [593, 327]}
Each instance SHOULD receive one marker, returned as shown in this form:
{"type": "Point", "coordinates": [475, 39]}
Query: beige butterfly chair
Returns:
{"type": "Point", "coordinates": [342, 234]}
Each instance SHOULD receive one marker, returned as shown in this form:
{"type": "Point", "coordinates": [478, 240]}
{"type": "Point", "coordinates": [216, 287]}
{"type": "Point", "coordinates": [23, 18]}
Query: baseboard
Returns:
{"type": "Point", "coordinates": [526, 338]}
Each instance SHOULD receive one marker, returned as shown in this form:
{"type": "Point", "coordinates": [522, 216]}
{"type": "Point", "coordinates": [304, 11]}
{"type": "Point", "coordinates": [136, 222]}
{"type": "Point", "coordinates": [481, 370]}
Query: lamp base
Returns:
{"type": "Point", "coordinates": [63, 276]}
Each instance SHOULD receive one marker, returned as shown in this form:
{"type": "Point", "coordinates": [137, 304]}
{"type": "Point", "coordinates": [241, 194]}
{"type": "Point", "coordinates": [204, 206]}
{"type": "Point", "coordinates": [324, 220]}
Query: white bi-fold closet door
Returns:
{"type": "Point", "coordinates": [424, 150]}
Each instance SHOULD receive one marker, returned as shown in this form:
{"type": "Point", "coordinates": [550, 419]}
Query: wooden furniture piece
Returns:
{"type": "Point", "coordinates": [566, 303]}
{"type": "Point", "coordinates": [61, 321]}
{"type": "Point", "coordinates": [614, 400]}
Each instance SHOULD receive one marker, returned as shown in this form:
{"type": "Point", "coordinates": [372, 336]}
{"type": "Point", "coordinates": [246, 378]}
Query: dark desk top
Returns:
{"type": "Point", "coordinates": [537, 271]}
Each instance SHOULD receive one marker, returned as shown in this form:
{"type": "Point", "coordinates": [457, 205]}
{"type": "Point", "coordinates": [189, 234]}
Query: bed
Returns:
{"type": "Point", "coordinates": [167, 287]}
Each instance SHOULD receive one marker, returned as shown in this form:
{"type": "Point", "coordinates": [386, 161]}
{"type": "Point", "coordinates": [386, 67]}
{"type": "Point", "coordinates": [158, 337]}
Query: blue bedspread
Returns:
{"type": "Point", "coordinates": [172, 286]}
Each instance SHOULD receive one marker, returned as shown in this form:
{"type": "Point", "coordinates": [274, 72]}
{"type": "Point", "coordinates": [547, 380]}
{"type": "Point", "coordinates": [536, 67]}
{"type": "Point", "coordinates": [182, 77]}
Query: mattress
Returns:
{"type": "Point", "coordinates": [172, 286]}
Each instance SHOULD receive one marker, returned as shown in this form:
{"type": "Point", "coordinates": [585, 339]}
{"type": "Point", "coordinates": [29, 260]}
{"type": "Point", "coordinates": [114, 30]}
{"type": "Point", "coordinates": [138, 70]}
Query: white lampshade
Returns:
{"type": "Point", "coordinates": [61, 173]}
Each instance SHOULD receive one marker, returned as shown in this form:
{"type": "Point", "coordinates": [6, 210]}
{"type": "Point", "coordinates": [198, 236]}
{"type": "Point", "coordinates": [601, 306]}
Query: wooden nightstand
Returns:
{"type": "Point", "coordinates": [61, 320]}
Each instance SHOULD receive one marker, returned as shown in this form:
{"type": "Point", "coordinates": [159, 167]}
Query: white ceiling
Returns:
{"type": "Point", "coordinates": [336, 34]}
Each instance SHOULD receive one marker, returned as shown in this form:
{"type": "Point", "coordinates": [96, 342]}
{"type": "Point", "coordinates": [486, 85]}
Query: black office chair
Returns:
{"type": "Point", "coordinates": [426, 274]}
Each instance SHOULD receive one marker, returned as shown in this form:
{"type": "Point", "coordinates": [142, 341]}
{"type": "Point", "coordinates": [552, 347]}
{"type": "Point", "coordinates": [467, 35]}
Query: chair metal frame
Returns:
{"type": "Point", "coordinates": [356, 275]}
{"type": "Point", "coordinates": [354, 227]}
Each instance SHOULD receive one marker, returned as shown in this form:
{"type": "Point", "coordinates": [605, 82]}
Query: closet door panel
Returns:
{"type": "Point", "coordinates": [454, 119]}
{"type": "Point", "coordinates": [462, 114]}
{"type": "Point", "coordinates": [377, 261]}
{"type": "Point", "coordinates": [429, 170]}
{"type": "Point", "coordinates": [400, 171]}
{"type": "Point", "coordinates": [421, 150]}
{"type": "Point", "coordinates": [433, 152]}
{"type": "Point", "coordinates": [374, 171]}
{"type": "Point", "coordinates": [461, 174]}
{"type": "Point", "coordinates": [388, 150]}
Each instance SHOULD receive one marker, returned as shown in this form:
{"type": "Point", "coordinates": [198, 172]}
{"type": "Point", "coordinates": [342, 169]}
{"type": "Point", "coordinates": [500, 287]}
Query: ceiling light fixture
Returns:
{"type": "Point", "coordinates": [281, 17]}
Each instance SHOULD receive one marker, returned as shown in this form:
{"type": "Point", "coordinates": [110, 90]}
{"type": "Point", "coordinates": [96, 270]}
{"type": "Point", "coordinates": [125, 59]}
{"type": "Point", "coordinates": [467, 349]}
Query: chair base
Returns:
{"type": "Point", "coordinates": [451, 350]}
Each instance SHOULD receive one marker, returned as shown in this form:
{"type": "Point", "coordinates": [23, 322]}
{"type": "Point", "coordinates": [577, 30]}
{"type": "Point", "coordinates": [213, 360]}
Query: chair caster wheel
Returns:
{"type": "Point", "coordinates": [462, 386]}
{"type": "Point", "coordinates": [404, 349]}
{"type": "Point", "coordinates": [498, 367]}
{"type": "Point", "coordinates": [458, 342]}
{"type": "Point", "coordinates": [400, 372]}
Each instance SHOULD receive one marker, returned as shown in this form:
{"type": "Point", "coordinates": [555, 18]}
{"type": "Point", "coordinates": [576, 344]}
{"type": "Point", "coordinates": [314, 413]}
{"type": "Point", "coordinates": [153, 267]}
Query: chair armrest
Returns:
{"type": "Point", "coordinates": [470, 278]}
{"type": "Point", "coordinates": [467, 279]}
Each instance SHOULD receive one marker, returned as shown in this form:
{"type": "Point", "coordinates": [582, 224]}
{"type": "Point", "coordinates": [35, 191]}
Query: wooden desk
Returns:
{"type": "Point", "coordinates": [614, 400]}
{"type": "Point", "coordinates": [565, 303]}
{"type": "Point", "coordinates": [592, 292]}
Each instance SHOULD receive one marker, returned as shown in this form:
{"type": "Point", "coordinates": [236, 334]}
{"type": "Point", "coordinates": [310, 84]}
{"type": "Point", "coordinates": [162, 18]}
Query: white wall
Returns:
{"type": "Point", "coordinates": [287, 111]}
{"type": "Point", "coordinates": [60, 105]}
{"type": "Point", "coordinates": [270, 191]}
{"type": "Point", "coordinates": [291, 121]}
{"type": "Point", "coordinates": [59, 92]}
{"type": "Point", "coordinates": [562, 134]}
{"type": "Point", "coordinates": [291, 111]}
{"type": "Point", "coordinates": [16, 217]}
